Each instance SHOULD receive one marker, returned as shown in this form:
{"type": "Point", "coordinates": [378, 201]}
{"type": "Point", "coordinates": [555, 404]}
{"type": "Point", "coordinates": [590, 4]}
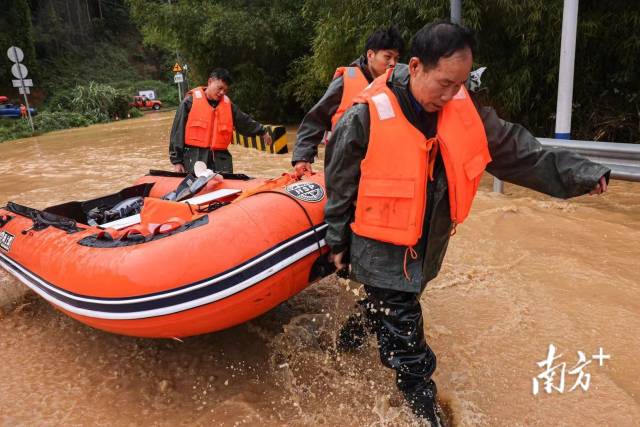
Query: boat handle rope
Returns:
{"type": "Point", "coordinates": [212, 206]}
{"type": "Point", "coordinates": [42, 219]}
{"type": "Point", "coordinates": [313, 227]}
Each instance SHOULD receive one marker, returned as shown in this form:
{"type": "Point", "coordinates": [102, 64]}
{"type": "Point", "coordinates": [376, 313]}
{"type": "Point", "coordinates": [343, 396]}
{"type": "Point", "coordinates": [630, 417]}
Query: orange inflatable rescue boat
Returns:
{"type": "Point", "coordinates": [172, 256]}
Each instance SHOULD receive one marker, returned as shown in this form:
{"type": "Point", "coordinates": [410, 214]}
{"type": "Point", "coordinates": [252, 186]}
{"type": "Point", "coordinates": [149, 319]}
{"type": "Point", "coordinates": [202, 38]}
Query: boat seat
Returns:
{"type": "Point", "coordinates": [163, 216]}
{"type": "Point", "coordinates": [197, 200]}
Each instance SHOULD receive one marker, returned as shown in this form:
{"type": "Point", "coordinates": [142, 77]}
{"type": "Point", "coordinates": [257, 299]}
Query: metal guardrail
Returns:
{"type": "Point", "coordinates": [622, 159]}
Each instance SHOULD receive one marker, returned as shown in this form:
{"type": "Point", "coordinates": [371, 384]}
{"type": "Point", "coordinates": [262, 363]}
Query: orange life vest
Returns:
{"type": "Point", "coordinates": [209, 127]}
{"type": "Point", "coordinates": [354, 83]}
{"type": "Point", "coordinates": [391, 200]}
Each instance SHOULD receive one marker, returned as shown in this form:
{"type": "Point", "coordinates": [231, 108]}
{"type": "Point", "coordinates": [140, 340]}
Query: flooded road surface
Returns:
{"type": "Point", "coordinates": [525, 271]}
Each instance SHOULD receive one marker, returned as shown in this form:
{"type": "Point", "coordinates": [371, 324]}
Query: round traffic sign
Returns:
{"type": "Point", "coordinates": [15, 54]}
{"type": "Point", "coordinates": [19, 71]}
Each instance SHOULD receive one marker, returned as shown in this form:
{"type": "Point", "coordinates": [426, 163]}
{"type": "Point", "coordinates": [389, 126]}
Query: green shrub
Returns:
{"type": "Point", "coordinates": [134, 112]}
{"type": "Point", "coordinates": [14, 129]}
{"type": "Point", "coordinates": [60, 100]}
{"type": "Point", "coordinates": [43, 122]}
{"type": "Point", "coordinates": [50, 121]}
{"type": "Point", "coordinates": [100, 102]}
{"type": "Point", "coordinates": [110, 63]}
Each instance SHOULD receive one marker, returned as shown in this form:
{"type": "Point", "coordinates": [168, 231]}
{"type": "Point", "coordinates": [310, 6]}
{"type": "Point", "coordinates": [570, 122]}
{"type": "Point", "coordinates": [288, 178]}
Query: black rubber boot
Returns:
{"type": "Point", "coordinates": [400, 332]}
{"type": "Point", "coordinates": [423, 401]}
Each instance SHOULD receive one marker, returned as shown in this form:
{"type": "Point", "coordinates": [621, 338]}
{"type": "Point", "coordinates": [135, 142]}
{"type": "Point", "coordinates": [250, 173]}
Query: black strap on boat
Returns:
{"type": "Point", "coordinates": [225, 175]}
{"type": "Point", "coordinates": [104, 240]}
{"type": "Point", "coordinates": [42, 220]}
{"type": "Point", "coordinates": [212, 206]}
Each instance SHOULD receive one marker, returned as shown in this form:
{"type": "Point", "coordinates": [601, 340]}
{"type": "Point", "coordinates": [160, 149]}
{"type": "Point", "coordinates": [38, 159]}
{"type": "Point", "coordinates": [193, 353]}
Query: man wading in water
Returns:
{"type": "Point", "coordinates": [381, 52]}
{"type": "Point", "coordinates": [411, 152]}
{"type": "Point", "coordinates": [204, 123]}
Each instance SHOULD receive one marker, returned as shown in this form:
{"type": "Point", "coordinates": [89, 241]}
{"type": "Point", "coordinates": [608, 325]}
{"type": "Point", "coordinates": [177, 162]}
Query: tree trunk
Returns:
{"type": "Point", "coordinates": [88, 12]}
{"type": "Point", "coordinates": [79, 17]}
{"type": "Point", "coordinates": [66, 3]}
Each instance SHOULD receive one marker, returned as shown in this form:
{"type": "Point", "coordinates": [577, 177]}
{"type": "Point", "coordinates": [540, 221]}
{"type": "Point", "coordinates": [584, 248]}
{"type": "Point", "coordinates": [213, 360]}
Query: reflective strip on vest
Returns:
{"type": "Point", "coordinates": [383, 105]}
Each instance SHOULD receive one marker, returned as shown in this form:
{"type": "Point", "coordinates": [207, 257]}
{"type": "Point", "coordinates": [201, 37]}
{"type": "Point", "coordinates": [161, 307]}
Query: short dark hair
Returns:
{"type": "Point", "coordinates": [440, 40]}
{"type": "Point", "coordinates": [221, 74]}
{"type": "Point", "coordinates": [385, 38]}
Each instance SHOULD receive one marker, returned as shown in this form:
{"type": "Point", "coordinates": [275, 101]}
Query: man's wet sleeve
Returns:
{"type": "Point", "coordinates": [316, 122]}
{"type": "Point", "coordinates": [519, 158]}
{"type": "Point", "coordinates": [244, 123]}
{"type": "Point", "coordinates": [346, 149]}
{"type": "Point", "coordinates": [176, 138]}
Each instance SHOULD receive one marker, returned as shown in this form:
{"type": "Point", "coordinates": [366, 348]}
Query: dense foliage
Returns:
{"type": "Point", "coordinates": [15, 30]}
{"type": "Point", "coordinates": [282, 53]}
{"type": "Point", "coordinates": [519, 42]}
{"type": "Point", "coordinates": [283, 49]}
{"type": "Point", "coordinates": [98, 101]}
{"type": "Point", "coordinates": [86, 59]}
{"type": "Point", "coordinates": [73, 42]}
{"type": "Point", "coordinates": [256, 40]}
{"type": "Point", "coordinates": [43, 122]}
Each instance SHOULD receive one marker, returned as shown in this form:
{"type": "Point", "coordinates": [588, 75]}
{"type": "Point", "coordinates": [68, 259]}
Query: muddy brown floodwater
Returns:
{"type": "Point", "coordinates": [525, 271]}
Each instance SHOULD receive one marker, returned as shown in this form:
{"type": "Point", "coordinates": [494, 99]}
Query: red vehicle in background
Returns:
{"type": "Point", "coordinates": [144, 102]}
{"type": "Point", "coordinates": [3, 99]}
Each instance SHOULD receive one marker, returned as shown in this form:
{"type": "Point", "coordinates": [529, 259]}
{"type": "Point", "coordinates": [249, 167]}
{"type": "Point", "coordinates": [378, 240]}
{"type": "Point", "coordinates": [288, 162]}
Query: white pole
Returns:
{"type": "Point", "coordinates": [456, 11]}
{"type": "Point", "coordinates": [178, 62]}
{"type": "Point", "coordinates": [498, 186]}
{"type": "Point", "coordinates": [567, 61]}
{"type": "Point", "coordinates": [26, 101]}
{"type": "Point", "coordinates": [24, 90]}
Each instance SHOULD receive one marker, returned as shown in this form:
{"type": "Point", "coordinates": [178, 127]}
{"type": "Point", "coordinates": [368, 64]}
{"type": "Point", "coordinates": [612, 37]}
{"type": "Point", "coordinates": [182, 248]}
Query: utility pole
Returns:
{"type": "Point", "coordinates": [456, 11]}
{"type": "Point", "coordinates": [19, 71]}
{"type": "Point", "coordinates": [567, 62]}
{"type": "Point", "coordinates": [179, 80]}
{"type": "Point", "coordinates": [180, 91]}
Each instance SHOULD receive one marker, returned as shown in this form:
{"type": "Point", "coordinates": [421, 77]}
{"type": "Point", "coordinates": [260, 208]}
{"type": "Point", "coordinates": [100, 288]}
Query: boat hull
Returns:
{"type": "Point", "coordinates": [222, 269]}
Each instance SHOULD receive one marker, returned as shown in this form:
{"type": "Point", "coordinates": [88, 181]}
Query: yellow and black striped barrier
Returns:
{"type": "Point", "coordinates": [278, 136]}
